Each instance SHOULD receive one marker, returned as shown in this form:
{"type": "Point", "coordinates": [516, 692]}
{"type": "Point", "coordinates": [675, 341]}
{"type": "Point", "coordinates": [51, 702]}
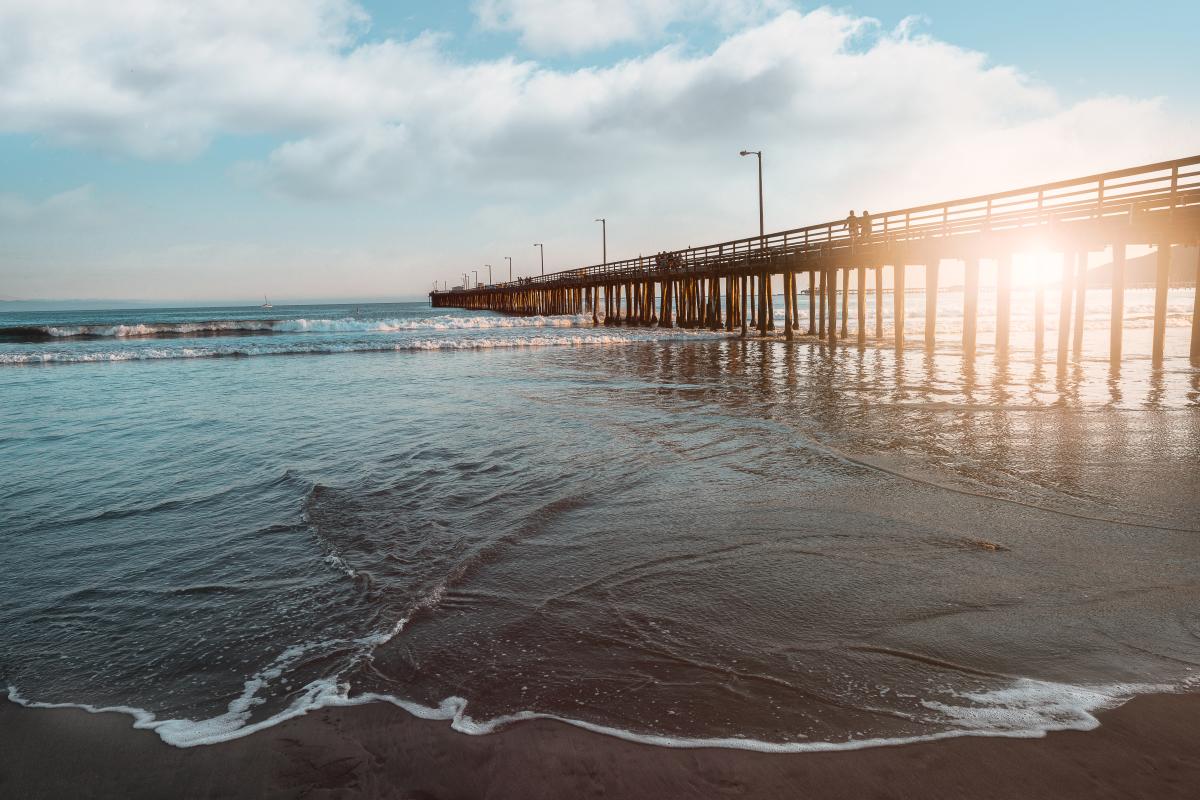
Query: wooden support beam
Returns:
{"type": "Point", "coordinates": [789, 329]}
{"type": "Point", "coordinates": [1081, 266]}
{"type": "Point", "coordinates": [751, 281]}
{"type": "Point", "coordinates": [898, 302]}
{"type": "Point", "coordinates": [812, 302]}
{"type": "Point", "coordinates": [823, 292]}
{"type": "Point", "coordinates": [1004, 270]}
{"type": "Point", "coordinates": [1160, 302]}
{"type": "Point", "coordinates": [879, 301]}
{"type": "Point", "coordinates": [768, 302]}
{"type": "Point", "coordinates": [860, 286]}
{"type": "Point", "coordinates": [845, 302]}
{"type": "Point", "coordinates": [742, 300]}
{"type": "Point", "coordinates": [1194, 353]}
{"type": "Point", "coordinates": [830, 278]}
{"type": "Point", "coordinates": [795, 301]}
{"type": "Point", "coordinates": [1116, 318]}
{"type": "Point", "coordinates": [1064, 310]}
{"type": "Point", "coordinates": [970, 307]}
{"type": "Point", "coordinates": [931, 301]}
{"type": "Point", "coordinates": [1039, 320]}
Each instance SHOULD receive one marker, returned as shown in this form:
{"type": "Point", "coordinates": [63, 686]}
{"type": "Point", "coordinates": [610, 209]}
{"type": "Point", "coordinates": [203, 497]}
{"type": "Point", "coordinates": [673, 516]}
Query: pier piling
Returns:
{"type": "Point", "coordinates": [1134, 207]}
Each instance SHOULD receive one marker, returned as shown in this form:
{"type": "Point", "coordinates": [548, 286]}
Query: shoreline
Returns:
{"type": "Point", "coordinates": [1147, 747]}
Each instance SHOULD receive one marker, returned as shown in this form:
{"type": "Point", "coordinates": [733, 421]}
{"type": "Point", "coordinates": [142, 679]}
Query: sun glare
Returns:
{"type": "Point", "coordinates": [1036, 267]}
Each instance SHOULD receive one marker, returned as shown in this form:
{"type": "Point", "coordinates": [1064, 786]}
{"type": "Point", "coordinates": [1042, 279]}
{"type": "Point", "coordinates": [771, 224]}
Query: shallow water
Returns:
{"type": "Point", "coordinates": [673, 535]}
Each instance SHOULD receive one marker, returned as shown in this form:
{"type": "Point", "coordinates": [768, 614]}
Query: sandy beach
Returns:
{"type": "Point", "coordinates": [1146, 748]}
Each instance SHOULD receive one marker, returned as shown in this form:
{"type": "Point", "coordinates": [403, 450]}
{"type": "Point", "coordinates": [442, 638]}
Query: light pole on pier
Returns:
{"type": "Point", "coordinates": [542, 248]}
{"type": "Point", "coordinates": [475, 272]}
{"type": "Point", "coordinates": [509, 268]}
{"type": "Point", "coordinates": [603, 237]}
{"type": "Point", "coordinates": [489, 266]}
{"type": "Point", "coordinates": [760, 198]}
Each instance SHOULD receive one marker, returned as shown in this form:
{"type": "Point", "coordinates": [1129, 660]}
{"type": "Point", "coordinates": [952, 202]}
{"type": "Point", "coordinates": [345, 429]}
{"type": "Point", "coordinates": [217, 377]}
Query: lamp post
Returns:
{"type": "Point", "coordinates": [603, 237]}
{"type": "Point", "coordinates": [542, 248]}
{"type": "Point", "coordinates": [763, 286]}
{"type": "Point", "coordinates": [475, 272]}
{"type": "Point", "coordinates": [509, 268]}
{"type": "Point", "coordinates": [489, 269]}
{"type": "Point", "coordinates": [760, 198]}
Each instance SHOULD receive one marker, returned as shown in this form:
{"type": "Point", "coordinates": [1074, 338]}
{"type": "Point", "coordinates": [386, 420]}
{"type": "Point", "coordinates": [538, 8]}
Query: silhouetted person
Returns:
{"type": "Point", "coordinates": [852, 226]}
{"type": "Point", "coordinates": [864, 227]}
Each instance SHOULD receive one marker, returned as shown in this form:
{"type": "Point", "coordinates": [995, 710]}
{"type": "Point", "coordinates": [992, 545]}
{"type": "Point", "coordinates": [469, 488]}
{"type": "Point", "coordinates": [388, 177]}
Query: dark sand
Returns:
{"type": "Point", "coordinates": [1147, 748]}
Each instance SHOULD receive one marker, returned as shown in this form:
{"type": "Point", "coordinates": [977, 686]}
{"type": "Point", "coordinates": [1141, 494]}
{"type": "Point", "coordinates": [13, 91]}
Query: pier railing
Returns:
{"type": "Point", "coordinates": [1126, 193]}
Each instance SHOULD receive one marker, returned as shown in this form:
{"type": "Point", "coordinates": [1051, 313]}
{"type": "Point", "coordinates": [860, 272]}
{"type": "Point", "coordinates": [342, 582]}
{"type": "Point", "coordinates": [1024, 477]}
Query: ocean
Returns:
{"type": "Point", "coordinates": [217, 519]}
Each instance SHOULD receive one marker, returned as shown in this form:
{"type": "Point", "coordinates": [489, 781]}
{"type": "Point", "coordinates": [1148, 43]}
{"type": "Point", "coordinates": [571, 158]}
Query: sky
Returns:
{"type": "Point", "coordinates": [222, 150]}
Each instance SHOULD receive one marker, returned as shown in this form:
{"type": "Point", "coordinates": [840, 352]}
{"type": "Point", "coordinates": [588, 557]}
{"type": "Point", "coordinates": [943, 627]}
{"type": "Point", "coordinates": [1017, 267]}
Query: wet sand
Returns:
{"type": "Point", "coordinates": [1146, 748]}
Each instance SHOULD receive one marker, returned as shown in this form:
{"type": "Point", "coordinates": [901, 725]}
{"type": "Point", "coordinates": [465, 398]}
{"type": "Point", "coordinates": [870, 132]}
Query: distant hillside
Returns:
{"type": "Point", "coordinates": [1142, 270]}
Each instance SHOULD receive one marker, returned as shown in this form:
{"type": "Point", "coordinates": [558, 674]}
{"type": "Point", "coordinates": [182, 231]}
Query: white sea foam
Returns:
{"type": "Point", "coordinates": [327, 325]}
{"type": "Point", "coordinates": [1026, 709]}
{"type": "Point", "coordinates": [357, 346]}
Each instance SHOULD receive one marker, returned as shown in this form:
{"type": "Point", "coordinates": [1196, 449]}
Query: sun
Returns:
{"type": "Point", "coordinates": [1036, 267]}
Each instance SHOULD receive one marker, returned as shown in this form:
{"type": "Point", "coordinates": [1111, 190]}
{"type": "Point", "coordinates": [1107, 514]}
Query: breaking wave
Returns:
{"type": "Point", "coordinates": [294, 347]}
{"type": "Point", "coordinates": [235, 327]}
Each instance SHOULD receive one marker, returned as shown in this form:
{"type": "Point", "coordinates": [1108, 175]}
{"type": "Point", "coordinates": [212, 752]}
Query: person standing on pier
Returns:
{"type": "Point", "coordinates": [864, 226]}
{"type": "Point", "coordinates": [852, 226]}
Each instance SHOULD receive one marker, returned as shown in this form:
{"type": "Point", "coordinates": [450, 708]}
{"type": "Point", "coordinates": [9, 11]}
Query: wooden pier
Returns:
{"type": "Point", "coordinates": [727, 286]}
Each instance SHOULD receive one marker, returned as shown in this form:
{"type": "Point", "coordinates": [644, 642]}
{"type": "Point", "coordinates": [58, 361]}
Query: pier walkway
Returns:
{"type": "Point", "coordinates": [727, 285]}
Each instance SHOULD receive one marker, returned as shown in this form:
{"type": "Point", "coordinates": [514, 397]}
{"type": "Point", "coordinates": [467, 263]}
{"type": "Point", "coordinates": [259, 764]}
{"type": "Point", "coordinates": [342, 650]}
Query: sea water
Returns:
{"type": "Point", "coordinates": [215, 519]}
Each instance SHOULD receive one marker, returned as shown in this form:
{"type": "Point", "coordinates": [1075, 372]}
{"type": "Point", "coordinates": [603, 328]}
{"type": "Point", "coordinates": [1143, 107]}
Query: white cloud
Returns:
{"type": "Point", "coordinates": [577, 26]}
{"type": "Point", "coordinates": [73, 205]}
{"type": "Point", "coordinates": [847, 114]}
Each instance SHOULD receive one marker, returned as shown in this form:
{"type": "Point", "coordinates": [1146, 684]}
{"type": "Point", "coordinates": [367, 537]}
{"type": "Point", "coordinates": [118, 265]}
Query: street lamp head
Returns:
{"type": "Point", "coordinates": [744, 153]}
{"type": "Point", "coordinates": [599, 219]}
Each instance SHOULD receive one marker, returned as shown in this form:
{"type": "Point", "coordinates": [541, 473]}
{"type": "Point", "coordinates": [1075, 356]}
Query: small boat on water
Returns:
{"type": "Point", "coordinates": [266, 303]}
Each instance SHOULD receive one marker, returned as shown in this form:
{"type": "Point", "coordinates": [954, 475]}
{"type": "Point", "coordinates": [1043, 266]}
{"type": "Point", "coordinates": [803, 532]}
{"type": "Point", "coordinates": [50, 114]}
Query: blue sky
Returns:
{"type": "Point", "coordinates": [327, 149]}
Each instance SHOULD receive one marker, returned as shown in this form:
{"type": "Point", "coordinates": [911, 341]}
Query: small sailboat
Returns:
{"type": "Point", "coordinates": [266, 303]}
